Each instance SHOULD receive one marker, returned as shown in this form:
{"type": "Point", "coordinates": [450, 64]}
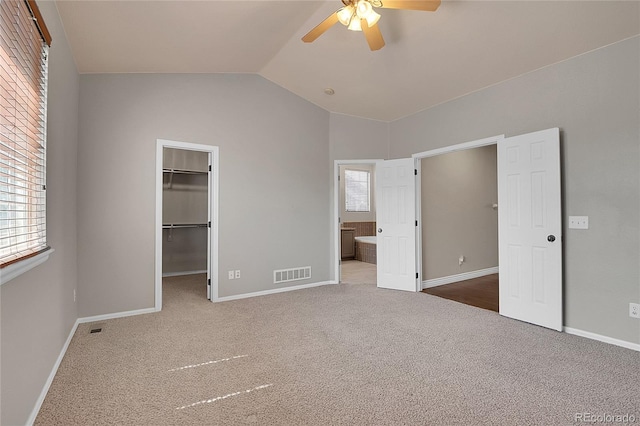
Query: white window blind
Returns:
{"type": "Point", "coordinates": [23, 79]}
{"type": "Point", "coordinates": [356, 190]}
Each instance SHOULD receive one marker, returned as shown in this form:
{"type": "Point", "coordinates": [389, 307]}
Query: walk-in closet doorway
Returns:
{"type": "Point", "coordinates": [186, 218]}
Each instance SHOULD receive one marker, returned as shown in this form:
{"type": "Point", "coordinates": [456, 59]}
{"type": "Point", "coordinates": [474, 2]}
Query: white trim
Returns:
{"type": "Point", "coordinates": [336, 210]}
{"type": "Point", "coordinates": [274, 291]}
{"type": "Point", "coordinates": [179, 274]}
{"type": "Point", "coordinates": [601, 338]}
{"type": "Point", "coordinates": [54, 370]}
{"type": "Point", "coordinates": [435, 282]}
{"type": "Point", "coordinates": [117, 315]}
{"type": "Point", "coordinates": [459, 147]}
{"type": "Point", "coordinates": [417, 164]}
{"type": "Point", "coordinates": [12, 271]}
{"type": "Point", "coordinates": [212, 261]}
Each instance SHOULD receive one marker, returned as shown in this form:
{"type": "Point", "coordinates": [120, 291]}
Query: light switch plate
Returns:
{"type": "Point", "coordinates": [578, 222]}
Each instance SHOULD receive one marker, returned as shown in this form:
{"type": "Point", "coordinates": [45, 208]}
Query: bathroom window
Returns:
{"type": "Point", "coordinates": [357, 190]}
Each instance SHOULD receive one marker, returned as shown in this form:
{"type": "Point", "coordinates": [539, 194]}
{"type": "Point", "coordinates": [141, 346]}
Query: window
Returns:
{"type": "Point", "coordinates": [356, 190]}
{"type": "Point", "coordinates": [24, 44]}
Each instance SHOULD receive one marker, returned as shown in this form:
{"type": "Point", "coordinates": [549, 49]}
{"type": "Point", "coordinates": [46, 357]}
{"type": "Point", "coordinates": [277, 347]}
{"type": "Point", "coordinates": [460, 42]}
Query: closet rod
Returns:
{"type": "Point", "coordinates": [185, 172]}
{"type": "Point", "coordinates": [184, 225]}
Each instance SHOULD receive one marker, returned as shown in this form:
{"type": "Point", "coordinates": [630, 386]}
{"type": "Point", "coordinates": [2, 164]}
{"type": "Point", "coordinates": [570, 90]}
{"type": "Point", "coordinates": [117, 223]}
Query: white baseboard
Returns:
{"type": "Point", "coordinates": [273, 291]}
{"type": "Point", "coordinates": [601, 338]}
{"type": "Point", "coordinates": [179, 274]}
{"type": "Point", "coordinates": [117, 315]}
{"type": "Point", "coordinates": [459, 277]}
{"type": "Point", "coordinates": [54, 370]}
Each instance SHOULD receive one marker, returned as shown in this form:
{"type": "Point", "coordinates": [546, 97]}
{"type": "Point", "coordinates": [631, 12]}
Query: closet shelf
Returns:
{"type": "Point", "coordinates": [172, 172]}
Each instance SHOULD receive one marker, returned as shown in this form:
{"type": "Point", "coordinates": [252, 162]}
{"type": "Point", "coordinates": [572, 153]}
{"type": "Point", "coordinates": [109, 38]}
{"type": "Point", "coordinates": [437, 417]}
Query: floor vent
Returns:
{"type": "Point", "coordinates": [95, 330]}
{"type": "Point", "coordinates": [293, 274]}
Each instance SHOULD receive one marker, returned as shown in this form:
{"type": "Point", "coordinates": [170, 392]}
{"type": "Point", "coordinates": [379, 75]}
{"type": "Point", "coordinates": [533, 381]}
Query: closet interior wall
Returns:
{"type": "Point", "coordinates": [184, 211]}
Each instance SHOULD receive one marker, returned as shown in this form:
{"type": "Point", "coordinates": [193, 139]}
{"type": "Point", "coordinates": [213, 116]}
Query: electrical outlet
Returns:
{"type": "Point", "coordinates": [74, 294]}
{"type": "Point", "coordinates": [461, 260]}
{"type": "Point", "coordinates": [231, 275]}
{"type": "Point", "coordinates": [237, 273]}
{"type": "Point", "coordinates": [634, 310]}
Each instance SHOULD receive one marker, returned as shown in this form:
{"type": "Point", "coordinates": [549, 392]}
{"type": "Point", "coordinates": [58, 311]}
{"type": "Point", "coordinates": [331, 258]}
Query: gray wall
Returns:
{"type": "Point", "coordinates": [369, 216]}
{"type": "Point", "coordinates": [594, 99]}
{"type": "Point", "coordinates": [38, 310]}
{"type": "Point", "coordinates": [458, 192]}
{"type": "Point", "coordinates": [273, 181]}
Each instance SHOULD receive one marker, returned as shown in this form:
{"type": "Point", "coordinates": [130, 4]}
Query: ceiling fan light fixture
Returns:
{"type": "Point", "coordinates": [345, 14]}
{"type": "Point", "coordinates": [363, 9]}
{"type": "Point", "coordinates": [372, 18]}
{"type": "Point", "coordinates": [354, 25]}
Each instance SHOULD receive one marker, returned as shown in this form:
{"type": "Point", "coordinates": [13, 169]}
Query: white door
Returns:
{"type": "Point", "coordinates": [395, 220]}
{"type": "Point", "coordinates": [530, 228]}
{"type": "Point", "coordinates": [209, 239]}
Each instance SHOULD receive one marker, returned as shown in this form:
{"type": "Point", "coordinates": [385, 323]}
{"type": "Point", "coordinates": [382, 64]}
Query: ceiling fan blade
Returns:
{"type": "Point", "coordinates": [428, 5]}
{"type": "Point", "coordinates": [373, 35]}
{"type": "Point", "coordinates": [321, 28]}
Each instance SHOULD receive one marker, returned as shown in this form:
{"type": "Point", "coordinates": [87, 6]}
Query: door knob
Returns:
{"type": "Point", "coordinates": [379, 230]}
{"type": "Point", "coordinates": [551, 238]}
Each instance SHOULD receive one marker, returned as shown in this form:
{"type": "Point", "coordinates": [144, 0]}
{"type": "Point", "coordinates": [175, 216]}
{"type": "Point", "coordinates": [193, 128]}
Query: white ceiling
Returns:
{"type": "Point", "coordinates": [429, 57]}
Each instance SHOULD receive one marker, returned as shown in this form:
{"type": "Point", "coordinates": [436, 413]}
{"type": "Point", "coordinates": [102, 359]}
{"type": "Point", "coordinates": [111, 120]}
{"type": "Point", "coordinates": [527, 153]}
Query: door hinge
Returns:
{"type": "Point", "coordinates": [415, 172]}
{"type": "Point", "coordinates": [339, 220]}
{"type": "Point", "coordinates": [209, 167]}
{"type": "Point", "coordinates": [209, 224]}
{"type": "Point", "coordinates": [416, 223]}
{"type": "Point", "coordinates": [417, 275]}
{"type": "Point", "coordinates": [209, 282]}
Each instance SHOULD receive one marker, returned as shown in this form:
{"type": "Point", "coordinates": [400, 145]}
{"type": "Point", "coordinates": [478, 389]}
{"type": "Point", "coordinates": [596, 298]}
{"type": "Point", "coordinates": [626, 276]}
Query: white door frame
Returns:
{"type": "Point", "coordinates": [493, 140]}
{"type": "Point", "coordinates": [336, 211]}
{"type": "Point", "coordinates": [213, 213]}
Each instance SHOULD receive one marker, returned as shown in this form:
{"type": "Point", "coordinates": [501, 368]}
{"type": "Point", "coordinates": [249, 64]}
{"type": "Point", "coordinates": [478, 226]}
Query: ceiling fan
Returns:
{"type": "Point", "coordinates": [359, 15]}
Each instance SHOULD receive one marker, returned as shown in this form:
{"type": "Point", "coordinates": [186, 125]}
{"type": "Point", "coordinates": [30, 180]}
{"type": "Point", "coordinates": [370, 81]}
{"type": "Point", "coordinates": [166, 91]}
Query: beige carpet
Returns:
{"type": "Point", "coordinates": [338, 354]}
{"type": "Point", "coordinates": [356, 272]}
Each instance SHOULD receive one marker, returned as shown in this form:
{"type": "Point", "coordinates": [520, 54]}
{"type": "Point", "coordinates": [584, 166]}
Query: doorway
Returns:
{"type": "Point", "coordinates": [355, 216]}
{"type": "Point", "coordinates": [529, 225]}
{"type": "Point", "coordinates": [459, 215]}
{"type": "Point", "coordinates": [186, 220]}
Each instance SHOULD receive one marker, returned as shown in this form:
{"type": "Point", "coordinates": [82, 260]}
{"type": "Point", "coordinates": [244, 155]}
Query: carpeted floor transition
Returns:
{"type": "Point", "coordinates": [347, 354]}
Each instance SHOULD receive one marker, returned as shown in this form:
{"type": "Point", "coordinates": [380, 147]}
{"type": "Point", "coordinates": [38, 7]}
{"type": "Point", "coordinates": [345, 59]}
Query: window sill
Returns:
{"type": "Point", "coordinates": [19, 268]}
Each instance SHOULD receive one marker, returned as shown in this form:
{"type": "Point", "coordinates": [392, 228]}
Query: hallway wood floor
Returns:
{"type": "Point", "coordinates": [480, 292]}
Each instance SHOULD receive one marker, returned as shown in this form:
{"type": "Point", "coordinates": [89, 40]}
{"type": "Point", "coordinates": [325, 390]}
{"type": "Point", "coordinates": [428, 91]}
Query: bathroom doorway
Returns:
{"type": "Point", "coordinates": [355, 216]}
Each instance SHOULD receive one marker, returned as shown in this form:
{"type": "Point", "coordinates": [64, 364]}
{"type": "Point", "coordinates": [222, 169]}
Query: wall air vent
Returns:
{"type": "Point", "coordinates": [293, 274]}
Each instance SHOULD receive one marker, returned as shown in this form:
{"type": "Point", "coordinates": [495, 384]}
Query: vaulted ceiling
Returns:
{"type": "Point", "coordinates": [429, 57]}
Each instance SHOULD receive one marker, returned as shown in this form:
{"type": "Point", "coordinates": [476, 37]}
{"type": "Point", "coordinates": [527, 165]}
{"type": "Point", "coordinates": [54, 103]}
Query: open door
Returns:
{"type": "Point", "coordinates": [530, 228]}
{"type": "Point", "coordinates": [395, 220]}
{"type": "Point", "coordinates": [209, 213]}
